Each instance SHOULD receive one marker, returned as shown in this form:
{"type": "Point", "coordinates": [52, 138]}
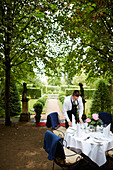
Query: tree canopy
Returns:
{"type": "Point", "coordinates": [82, 29]}
{"type": "Point", "coordinates": [89, 27]}
{"type": "Point", "coordinates": [26, 26]}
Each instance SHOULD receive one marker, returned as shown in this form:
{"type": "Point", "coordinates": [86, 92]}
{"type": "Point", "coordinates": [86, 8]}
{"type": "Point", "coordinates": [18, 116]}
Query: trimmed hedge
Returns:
{"type": "Point", "coordinates": [53, 88]}
{"type": "Point", "coordinates": [61, 98]}
{"type": "Point", "coordinates": [44, 90]}
{"type": "Point", "coordinates": [33, 93]}
{"type": "Point", "coordinates": [63, 88]}
{"type": "Point", "coordinates": [38, 106]}
{"type": "Point", "coordinates": [88, 93]}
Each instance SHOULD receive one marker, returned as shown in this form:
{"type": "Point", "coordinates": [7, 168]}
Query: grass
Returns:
{"type": "Point", "coordinates": [31, 102]}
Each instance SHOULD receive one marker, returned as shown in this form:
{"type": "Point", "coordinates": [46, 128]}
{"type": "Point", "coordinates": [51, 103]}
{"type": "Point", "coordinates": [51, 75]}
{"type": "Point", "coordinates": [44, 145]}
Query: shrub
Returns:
{"type": "Point", "coordinates": [42, 100]}
{"type": "Point", "coordinates": [61, 98]}
{"type": "Point", "coordinates": [44, 89]}
{"type": "Point", "coordinates": [62, 94]}
{"type": "Point", "coordinates": [38, 106]}
{"type": "Point", "coordinates": [101, 98]}
{"type": "Point", "coordinates": [88, 93]}
{"type": "Point", "coordinates": [49, 92]}
{"type": "Point", "coordinates": [15, 105]}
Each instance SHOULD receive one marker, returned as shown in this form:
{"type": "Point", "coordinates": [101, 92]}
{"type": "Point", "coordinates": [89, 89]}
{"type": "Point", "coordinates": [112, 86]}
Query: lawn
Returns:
{"type": "Point", "coordinates": [30, 105]}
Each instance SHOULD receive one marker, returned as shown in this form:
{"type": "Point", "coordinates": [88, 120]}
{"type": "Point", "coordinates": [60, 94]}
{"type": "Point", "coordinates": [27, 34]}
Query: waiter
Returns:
{"type": "Point", "coordinates": [71, 105]}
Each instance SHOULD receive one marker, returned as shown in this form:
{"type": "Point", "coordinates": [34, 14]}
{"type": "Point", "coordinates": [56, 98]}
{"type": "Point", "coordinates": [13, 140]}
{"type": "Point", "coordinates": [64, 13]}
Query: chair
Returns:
{"type": "Point", "coordinates": [59, 154]}
{"type": "Point", "coordinates": [109, 156]}
{"type": "Point", "coordinates": [53, 122]}
{"type": "Point", "coordinates": [105, 117]}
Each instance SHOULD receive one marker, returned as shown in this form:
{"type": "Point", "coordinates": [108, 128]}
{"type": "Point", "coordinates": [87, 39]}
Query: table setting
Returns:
{"type": "Point", "coordinates": [92, 143]}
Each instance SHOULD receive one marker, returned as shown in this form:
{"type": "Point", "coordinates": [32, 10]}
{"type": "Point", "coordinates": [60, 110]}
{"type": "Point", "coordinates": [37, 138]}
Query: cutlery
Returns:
{"type": "Point", "coordinates": [86, 138]}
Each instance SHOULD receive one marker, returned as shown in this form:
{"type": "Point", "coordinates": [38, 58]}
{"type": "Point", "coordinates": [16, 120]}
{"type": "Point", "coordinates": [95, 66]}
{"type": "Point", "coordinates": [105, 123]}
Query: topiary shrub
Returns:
{"type": "Point", "coordinates": [42, 100]}
{"type": "Point", "coordinates": [15, 104]}
{"type": "Point", "coordinates": [101, 98]}
{"type": "Point", "coordinates": [38, 106]}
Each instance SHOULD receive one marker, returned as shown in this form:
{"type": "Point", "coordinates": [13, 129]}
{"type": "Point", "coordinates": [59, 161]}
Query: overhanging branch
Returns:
{"type": "Point", "coordinates": [24, 47]}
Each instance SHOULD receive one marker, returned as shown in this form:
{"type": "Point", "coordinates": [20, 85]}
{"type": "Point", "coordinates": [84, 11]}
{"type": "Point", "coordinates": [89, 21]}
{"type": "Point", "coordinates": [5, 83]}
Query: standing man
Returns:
{"type": "Point", "coordinates": [70, 108]}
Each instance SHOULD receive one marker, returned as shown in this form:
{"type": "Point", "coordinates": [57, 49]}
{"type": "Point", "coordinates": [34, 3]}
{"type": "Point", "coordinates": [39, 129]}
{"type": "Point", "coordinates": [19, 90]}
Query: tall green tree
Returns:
{"type": "Point", "coordinates": [101, 98]}
{"type": "Point", "coordinates": [25, 28]}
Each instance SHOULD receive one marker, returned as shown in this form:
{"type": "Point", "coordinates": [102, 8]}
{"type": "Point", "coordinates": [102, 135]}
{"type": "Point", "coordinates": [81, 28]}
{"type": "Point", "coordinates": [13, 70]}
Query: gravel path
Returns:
{"type": "Point", "coordinates": [53, 106]}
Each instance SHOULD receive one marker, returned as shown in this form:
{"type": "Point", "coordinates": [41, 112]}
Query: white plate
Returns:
{"type": "Point", "coordinates": [97, 140]}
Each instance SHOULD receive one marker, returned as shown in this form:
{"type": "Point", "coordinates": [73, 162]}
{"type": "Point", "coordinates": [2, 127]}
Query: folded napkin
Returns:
{"type": "Point", "coordinates": [106, 131]}
{"type": "Point", "coordinates": [78, 130]}
{"type": "Point", "coordinates": [73, 121]}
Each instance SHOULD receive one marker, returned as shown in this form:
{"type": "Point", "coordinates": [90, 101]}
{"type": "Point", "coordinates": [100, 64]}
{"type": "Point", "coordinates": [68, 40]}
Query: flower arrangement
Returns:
{"type": "Point", "coordinates": [94, 120]}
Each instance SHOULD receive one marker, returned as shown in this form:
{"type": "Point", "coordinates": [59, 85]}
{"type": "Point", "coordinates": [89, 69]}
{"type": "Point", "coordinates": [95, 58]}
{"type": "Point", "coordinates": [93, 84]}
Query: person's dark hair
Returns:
{"type": "Point", "coordinates": [76, 93]}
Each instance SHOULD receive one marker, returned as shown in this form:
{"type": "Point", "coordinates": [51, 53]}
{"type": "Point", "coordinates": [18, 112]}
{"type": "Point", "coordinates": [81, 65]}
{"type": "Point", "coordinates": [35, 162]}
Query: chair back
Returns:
{"type": "Point", "coordinates": [105, 117]}
{"type": "Point", "coordinates": [52, 120]}
{"type": "Point", "coordinates": [53, 145]}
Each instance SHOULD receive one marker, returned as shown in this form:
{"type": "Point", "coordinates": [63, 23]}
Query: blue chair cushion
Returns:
{"type": "Point", "coordinates": [105, 117]}
{"type": "Point", "coordinates": [51, 143]}
{"type": "Point", "coordinates": [52, 120]}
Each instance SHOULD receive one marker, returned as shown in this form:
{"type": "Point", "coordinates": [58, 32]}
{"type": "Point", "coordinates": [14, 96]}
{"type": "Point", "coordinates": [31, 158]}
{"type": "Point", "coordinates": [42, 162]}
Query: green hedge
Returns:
{"type": "Point", "coordinates": [53, 88]}
{"type": "Point", "coordinates": [61, 97]}
{"type": "Point", "coordinates": [69, 91]}
{"type": "Point", "coordinates": [34, 93]}
{"type": "Point", "coordinates": [44, 90]}
{"type": "Point", "coordinates": [50, 89]}
{"type": "Point", "coordinates": [88, 93]}
{"type": "Point", "coordinates": [63, 88]}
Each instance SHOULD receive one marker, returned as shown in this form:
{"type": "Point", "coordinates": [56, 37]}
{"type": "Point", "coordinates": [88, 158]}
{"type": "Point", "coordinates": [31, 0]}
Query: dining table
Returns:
{"type": "Point", "coordinates": [92, 144]}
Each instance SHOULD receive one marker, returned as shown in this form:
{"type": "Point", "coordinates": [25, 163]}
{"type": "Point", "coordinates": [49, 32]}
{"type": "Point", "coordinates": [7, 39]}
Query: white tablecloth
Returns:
{"type": "Point", "coordinates": [94, 147]}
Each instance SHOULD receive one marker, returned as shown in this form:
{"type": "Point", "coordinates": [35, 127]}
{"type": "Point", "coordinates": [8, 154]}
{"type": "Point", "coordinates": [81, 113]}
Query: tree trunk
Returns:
{"type": "Point", "coordinates": [7, 94]}
{"type": "Point", "coordinates": [7, 48]}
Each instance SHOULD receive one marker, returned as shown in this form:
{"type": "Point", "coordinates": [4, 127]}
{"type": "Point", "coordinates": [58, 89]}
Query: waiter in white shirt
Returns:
{"type": "Point", "coordinates": [70, 108]}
